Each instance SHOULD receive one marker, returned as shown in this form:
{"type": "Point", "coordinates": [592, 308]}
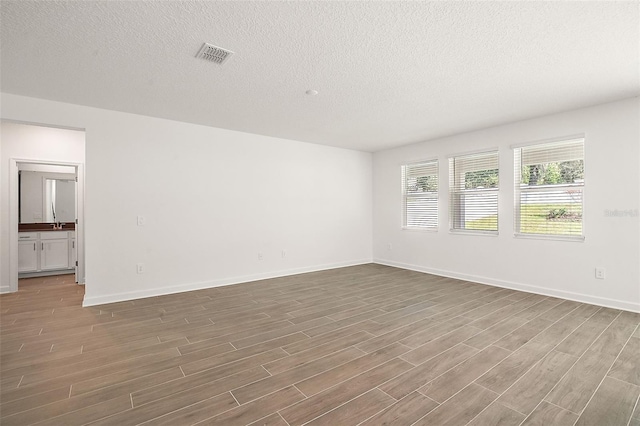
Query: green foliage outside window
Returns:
{"type": "Point", "coordinates": [426, 184]}
{"type": "Point", "coordinates": [481, 179]}
{"type": "Point", "coordinates": [553, 173]}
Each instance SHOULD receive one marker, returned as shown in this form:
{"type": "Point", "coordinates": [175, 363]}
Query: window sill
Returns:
{"type": "Point", "coordinates": [574, 238]}
{"type": "Point", "coordinates": [473, 232]}
{"type": "Point", "coordinates": [417, 229]}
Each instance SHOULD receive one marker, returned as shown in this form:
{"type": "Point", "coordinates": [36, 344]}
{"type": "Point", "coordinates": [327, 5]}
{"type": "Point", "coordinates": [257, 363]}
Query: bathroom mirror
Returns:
{"type": "Point", "coordinates": [46, 197]}
{"type": "Point", "coordinates": [59, 200]}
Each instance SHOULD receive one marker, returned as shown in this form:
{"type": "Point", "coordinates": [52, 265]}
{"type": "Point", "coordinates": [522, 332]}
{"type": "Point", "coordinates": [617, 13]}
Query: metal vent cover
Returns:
{"type": "Point", "coordinates": [214, 53]}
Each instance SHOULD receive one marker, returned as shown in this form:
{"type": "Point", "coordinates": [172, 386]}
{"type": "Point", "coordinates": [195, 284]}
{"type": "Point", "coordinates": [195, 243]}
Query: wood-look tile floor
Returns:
{"type": "Point", "coordinates": [368, 345]}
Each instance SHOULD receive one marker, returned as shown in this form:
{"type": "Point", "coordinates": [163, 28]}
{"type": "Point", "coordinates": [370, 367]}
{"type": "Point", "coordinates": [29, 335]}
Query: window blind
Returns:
{"type": "Point", "coordinates": [553, 152]}
{"type": "Point", "coordinates": [473, 186]}
{"type": "Point", "coordinates": [549, 187]}
{"type": "Point", "coordinates": [420, 195]}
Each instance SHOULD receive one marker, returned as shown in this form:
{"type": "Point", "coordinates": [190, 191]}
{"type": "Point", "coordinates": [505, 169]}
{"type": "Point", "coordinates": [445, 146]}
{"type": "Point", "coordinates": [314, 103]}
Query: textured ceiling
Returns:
{"type": "Point", "coordinates": [387, 73]}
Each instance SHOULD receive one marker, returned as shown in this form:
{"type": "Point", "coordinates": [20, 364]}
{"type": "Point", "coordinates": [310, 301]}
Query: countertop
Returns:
{"type": "Point", "coordinates": [42, 227]}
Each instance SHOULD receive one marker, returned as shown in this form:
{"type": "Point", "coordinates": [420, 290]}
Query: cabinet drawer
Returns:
{"type": "Point", "coordinates": [53, 235]}
{"type": "Point", "coordinates": [26, 236]}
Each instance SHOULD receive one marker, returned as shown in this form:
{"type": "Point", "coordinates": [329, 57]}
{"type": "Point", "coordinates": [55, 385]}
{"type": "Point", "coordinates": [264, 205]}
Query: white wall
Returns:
{"type": "Point", "coordinates": [559, 268]}
{"type": "Point", "coordinates": [212, 200]}
{"type": "Point", "coordinates": [27, 142]}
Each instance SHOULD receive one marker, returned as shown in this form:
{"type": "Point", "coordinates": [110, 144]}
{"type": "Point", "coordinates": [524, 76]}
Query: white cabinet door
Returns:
{"type": "Point", "coordinates": [72, 253]}
{"type": "Point", "coordinates": [54, 254]}
{"type": "Point", "coordinates": [27, 256]}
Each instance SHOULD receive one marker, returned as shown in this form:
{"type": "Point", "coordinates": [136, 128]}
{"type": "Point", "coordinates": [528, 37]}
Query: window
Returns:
{"type": "Point", "coordinates": [473, 190]}
{"type": "Point", "coordinates": [420, 195]}
{"type": "Point", "coordinates": [549, 186]}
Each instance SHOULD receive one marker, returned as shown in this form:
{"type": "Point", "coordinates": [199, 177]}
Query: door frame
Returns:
{"type": "Point", "coordinates": [13, 217]}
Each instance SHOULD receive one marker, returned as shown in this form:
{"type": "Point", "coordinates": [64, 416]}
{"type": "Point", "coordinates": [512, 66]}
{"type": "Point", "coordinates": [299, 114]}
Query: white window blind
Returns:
{"type": "Point", "coordinates": [420, 195]}
{"type": "Point", "coordinates": [473, 186]}
{"type": "Point", "coordinates": [549, 186]}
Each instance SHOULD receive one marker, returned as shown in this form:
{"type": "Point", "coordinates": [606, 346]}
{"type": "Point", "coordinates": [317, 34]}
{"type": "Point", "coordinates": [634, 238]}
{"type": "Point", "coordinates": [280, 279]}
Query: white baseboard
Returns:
{"type": "Point", "coordinates": [122, 297]}
{"type": "Point", "coordinates": [545, 291]}
{"type": "Point", "coordinates": [5, 289]}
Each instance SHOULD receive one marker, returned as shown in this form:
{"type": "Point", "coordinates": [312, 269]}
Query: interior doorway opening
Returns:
{"type": "Point", "coordinates": [48, 220]}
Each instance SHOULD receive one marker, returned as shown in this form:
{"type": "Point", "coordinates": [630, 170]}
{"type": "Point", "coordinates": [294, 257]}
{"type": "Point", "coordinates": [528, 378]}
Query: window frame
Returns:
{"type": "Point", "coordinates": [454, 193]}
{"type": "Point", "coordinates": [431, 195]}
{"type": "Point", "coordinates": [518, 190]}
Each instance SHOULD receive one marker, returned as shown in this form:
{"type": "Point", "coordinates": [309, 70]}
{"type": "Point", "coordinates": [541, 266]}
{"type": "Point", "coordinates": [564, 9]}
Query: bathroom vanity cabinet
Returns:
{"type": "Point", "coordinates": [46, 253]}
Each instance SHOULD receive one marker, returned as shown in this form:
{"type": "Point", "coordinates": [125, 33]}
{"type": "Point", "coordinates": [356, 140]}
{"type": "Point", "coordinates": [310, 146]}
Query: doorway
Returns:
{"type": "Point", "coordinates": [27, 146]}
{"type": "Point", "coordinates": [47, 219]}
{"type": "Point", "coordinates": [73, 233]}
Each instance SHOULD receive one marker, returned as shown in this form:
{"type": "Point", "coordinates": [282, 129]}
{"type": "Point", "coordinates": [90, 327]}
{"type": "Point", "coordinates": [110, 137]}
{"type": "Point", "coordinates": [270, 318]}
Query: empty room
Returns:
{"type": "Point", "coordinates": [336, 213]}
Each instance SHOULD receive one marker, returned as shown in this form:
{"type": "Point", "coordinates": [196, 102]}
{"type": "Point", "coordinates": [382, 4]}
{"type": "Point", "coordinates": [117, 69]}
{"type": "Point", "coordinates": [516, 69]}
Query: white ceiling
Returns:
{"type": "Point", "coordinates": [387, 73]}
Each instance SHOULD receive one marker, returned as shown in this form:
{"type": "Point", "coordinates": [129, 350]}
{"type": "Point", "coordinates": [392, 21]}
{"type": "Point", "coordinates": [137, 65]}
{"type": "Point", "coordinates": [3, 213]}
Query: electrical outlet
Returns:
{"type": "Point", "coordinates": [284, 254]}
{"type": "Point", "coordinates": [141, 221]}
{"type": "Point", "coordinates": [140, 268]}
{"type": "Point", "coordinates": [260, 256]}
{"type": "Point", "coordinates": [600, 273]}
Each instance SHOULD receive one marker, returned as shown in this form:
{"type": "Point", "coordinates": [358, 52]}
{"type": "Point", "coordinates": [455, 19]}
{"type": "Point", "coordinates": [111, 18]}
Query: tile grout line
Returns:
{"type": "Point", "coordinates": [178, 409]}
{"type": "Point", "coordinates": [339, 383]}
{"type": "Point", "coordinates": [536, 363]}
{"type": "Point", "coordinates": [263, 367]}
{"type": "Point", "coordinates": [314, 360]}
{"type": "Point", "coordinates": [283, 419]}
{"type": "Point", "coordinates": [294, 384]}
{"type": "Point", "coordinates": [341, 405]}
{"type": "Point", "coordinates": [394, 398]}
{"type": "Point", "coordinates": [562, 408]}
{"type": "Point", "coordinates": [269, 340]}
{"type": "Point", "coordinates": [623, 381]}
{"type": "Point", "coordinates": [490, 404]}
{"type": "Point", "coordinates": [234, 398]}
{"type": "Point", "coordinates": [298, 389]}
{"type": "Point", "coordinates": [395, 403]}
{"type": "Point", "coordinates": [399, 300]}
{"type": "Point", "coordinates": [579, 358]}
{"type": "Point", "coordinates": [635, 407]}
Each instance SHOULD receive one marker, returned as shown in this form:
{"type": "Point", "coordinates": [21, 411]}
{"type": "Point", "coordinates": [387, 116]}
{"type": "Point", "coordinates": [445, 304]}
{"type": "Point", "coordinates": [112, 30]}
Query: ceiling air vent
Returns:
{"type": "Point", "coordinates": [214, 53]}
